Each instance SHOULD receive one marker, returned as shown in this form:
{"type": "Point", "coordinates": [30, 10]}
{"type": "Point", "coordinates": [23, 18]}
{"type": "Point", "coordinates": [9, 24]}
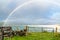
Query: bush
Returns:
{"type": "Point", "coordinates": [45, 31]}
{"type": "Point", "coordinates": [57, 35]}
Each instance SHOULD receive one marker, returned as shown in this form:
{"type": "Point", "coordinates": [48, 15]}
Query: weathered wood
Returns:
{"type": "Point", "coordinates": [7, 31]}
{"type": "Point", "coordinates": [1, 34]}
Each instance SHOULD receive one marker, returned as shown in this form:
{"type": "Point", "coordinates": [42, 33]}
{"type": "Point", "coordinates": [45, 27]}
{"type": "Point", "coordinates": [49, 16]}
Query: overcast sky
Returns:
{"type": "Point", "coordinates": [35, 12]}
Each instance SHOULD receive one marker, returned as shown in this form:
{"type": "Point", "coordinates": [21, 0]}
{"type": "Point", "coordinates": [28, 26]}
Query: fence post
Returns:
{"type": "Point", "coordinates": [53, 30]}
{"type": "Point", "coordinates": [42, 29]}
{"type": "Point", "coordinates": [27, 28]}
{"type": "Point", "coordinates": [56, 31]}
{"type": "Point", "coordinates": [1, 34]}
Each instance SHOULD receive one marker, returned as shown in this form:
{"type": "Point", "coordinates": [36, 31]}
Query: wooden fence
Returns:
{"type": "Point", "coordinates": [5, 32]}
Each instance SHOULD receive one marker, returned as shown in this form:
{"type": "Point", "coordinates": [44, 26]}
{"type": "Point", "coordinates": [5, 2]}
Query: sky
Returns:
{"type": "Point", "coordinates": [35, 12]}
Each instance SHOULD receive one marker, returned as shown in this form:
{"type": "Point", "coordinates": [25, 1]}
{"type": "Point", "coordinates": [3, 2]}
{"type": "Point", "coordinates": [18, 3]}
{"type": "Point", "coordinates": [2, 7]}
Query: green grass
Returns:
{"type": "Point", "coordinates": [35, 36]}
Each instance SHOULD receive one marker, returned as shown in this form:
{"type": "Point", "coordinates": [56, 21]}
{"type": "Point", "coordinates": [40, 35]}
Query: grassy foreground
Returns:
{"type": "Point", "coordinates": [35, 36]}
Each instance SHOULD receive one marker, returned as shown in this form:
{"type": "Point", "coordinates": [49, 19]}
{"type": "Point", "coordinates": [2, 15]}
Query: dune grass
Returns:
{"type": "Point", "coordinates": [35, 36]}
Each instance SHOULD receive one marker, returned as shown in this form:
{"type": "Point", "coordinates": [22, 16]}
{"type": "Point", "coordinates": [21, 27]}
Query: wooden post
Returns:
{"type": "Point", "coordinates": [1, 34]}
{"type": "Point", "coordinates": [26, 28]}
{"type": "Point", "coordinates": [53, 30]}
{"type": "Point", "coordinates": [56, 29]}
{"type": "Point", "coordinates": [42, 29]}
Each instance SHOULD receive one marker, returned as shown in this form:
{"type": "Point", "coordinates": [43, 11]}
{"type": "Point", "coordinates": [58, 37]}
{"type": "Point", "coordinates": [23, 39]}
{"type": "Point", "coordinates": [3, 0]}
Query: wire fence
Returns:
{"type": "Point", "coordinates": [34, 29]}
{"type": "Point", "coordinates": [40, 29]}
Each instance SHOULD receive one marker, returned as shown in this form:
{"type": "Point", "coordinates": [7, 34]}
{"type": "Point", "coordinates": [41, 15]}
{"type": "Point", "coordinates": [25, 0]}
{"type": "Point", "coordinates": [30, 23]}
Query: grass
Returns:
{"type": "Point", "coordinates": [35, 36]}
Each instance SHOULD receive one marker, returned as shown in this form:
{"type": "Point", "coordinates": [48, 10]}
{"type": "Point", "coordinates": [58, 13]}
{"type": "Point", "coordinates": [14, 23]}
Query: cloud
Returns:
{"type": "Point", "coordinates": [56, 16]}
{"type": "Point", "coordinates": [37, 12]}
{"type": "Point", "coordinates": [6, 6]}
